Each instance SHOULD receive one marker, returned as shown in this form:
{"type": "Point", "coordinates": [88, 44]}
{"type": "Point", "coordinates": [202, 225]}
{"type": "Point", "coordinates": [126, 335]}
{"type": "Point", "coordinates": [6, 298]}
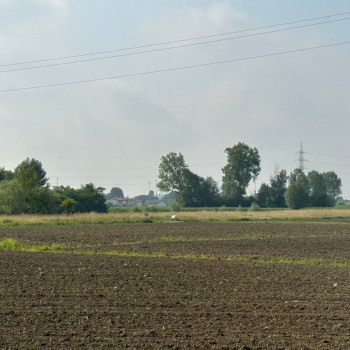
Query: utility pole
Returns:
{"type": "Point", "coordinates": [156, 188]}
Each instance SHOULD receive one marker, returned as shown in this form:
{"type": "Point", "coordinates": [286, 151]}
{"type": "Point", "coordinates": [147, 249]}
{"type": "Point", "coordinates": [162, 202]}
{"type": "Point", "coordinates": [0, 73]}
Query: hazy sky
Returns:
{"type": "Point", "coordinates": [113, 132]}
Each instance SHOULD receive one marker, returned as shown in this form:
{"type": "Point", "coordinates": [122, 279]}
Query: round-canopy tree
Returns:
{"type": "Point", "coordinates": [243, 165]}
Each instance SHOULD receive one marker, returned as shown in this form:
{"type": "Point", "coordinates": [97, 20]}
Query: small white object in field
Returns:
{"type": "Point", "coordinates": [173, 217]}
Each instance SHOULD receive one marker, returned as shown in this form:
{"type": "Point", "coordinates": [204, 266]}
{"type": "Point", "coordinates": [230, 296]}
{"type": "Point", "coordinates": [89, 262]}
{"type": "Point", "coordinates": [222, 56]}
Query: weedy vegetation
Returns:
{"type": "Point", "coordinates": [11, 244]}
{"type": "Point", "coordinates": [162, 217]}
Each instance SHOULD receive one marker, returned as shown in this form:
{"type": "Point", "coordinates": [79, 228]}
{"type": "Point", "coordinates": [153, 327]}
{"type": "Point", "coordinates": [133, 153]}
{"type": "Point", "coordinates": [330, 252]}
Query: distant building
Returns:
{"type": "Point", "coordinates": [124, 202]}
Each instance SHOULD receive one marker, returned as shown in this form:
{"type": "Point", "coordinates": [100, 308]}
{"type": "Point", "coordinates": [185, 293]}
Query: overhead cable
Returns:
{"type": "Point", "coordinates": [182, 40]}
{"type": "Point", "coordinates": [167, 48]}
{"type": "Point", "coordinates": [174, 68]}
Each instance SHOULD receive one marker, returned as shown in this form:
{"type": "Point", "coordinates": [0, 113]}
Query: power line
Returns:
{"type": "Point", "coordinates": [169, 48]}
{"type": "Point", "coordinates": [100, 177]}
{"type": "Point", "coordinates": [98, 169]}
{"type": "Point", "coordinates": [176, 41]}
{"type": "Point", "coordinates": [329, 155]}
{"type": "Point", "coordinates": [175, 68]}
{"type": "Point", "coordinates": [103, 184]}
{"type": "Point", "coordinates": [336, 164]}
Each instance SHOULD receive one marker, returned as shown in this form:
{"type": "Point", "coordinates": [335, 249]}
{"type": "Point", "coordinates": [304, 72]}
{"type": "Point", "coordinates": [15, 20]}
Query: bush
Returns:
{"type": "Point", "coordinates": [254, 207]}
{"type": "Point", "coordinates": [137, 210]}
{"type": "Point", "coordinates": [175, 206]}
{"type": "Point", "coordinates": [151, 209]}
{"type": "Point", "coordinates": [240, 208]}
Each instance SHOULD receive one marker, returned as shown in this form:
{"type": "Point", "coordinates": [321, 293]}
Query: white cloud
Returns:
{"type": "Point", "coordinates": [223, 14]}
{"type": "Point", "coordinates": [61, 5]}
{"type": "Point", "coordinates": [271, 103]}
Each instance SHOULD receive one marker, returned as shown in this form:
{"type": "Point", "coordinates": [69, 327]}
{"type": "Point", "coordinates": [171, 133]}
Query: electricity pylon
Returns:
{"type": "Point", "coordinates": [301, 158]}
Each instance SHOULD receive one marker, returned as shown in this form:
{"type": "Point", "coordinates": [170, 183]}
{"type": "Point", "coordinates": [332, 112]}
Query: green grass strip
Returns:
{"type": "Point", "coordinates": [11, 244]}
{"type": "Point", "coordinates": [247, 237]}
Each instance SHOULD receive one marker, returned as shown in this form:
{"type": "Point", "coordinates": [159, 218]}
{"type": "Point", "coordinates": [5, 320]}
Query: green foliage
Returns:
{"type": "Point", "coordinates": [88, 198]}
{"type": "Point", "coordinates": [10, 244]}
{"type": "Point", "coordinates": [297, 194]}
{"type": "Point", "coordinates": [278, 186]}
{"type": "Point", "coordinates": [315, 190]}
{"type": "Point", "coordinates": [192, 189]}
{"type": "Point", "coordinates": [263, 197]}
{"type": "Point", "coordinates": [17, 198]}
{"type": "Point", "coordinates": [210, 192]}
{"type": "Point", "coordinates": [68, 206]}
{"type": "Point", "coordinates": [254, 207]}
{"type": "Point", "coordinates": [28, 191]}
{"type": "Point", "coordinates": [318, 190]}
{"type": "Point", "coordinates": [12, 198]}
{"type": "Point", "coordinates": [169, 198]}
{"type": "Point", "coordinates": [149, 197]}
{"type": "Point", "coordinates": [333, 185]}
{"type": "Point", "coordinates": [30, 174]}
{"type": "Point", "coordinates": [115, 192]}
{"type": "Point", "coordinates": [5, 174]}
{"type": "Point", "coordinates": [172, 171]}
{"type": "Point", "coordinates": [175, 206]}
{"type": "Point", "coordinates": [272, 196]}
{"type": "Point", "coordinates": [243, 165]}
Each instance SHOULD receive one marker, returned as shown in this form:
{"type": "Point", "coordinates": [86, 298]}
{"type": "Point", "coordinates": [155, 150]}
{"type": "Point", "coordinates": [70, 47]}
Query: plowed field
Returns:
{"type": "Point", "coordinates": [178, 286]}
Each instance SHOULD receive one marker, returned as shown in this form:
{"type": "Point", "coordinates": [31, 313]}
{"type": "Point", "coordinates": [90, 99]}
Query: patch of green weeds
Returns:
{"type": "Point", "coordinates": [169, 239]}
{"type": "Point", "coordinates": [54, 247]}
{"type": "Point", "coordinates": [11, 244]}
{"type": "Point", "coordinates": [134, 254]}
{"type": "Point", "coordinates": [147, 220]}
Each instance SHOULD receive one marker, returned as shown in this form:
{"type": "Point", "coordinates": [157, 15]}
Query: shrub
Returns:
{"type": "Point", "coordinates": [137, 210]}
{"type": "Point", "coordinates": [254, 207]}
{"type": "Point", "coordinates": [10, 244]}
{"type": "Point", "coordinates": [175, 206]}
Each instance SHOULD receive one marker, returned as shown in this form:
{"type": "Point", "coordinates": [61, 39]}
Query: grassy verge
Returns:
{"type": "Point", "coordinates": [326, 215]}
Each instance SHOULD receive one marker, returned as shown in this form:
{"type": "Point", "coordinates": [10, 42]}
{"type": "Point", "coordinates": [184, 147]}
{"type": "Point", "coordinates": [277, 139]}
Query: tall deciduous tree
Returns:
{"type": "Point", "coordinates": [5, 174]}
{"type": "Point", "coordinates": [192, 189]}
{"type": "Point", "coordinates": [12, 198]}
{"type": "Point", "coordinates": [243, 165]}
{"type": "Point", "coordinates": [333, 184]}
{"type": "Point", "coordinates": [263, 197]}
{"type": "Point", "coordinates": [172, 173]}
{"type": "Point", "coordinates": [278, 186]}
{"type": "Point", "coordinates": [115, 192]}
{"type": "Point", "coordinates": [31, 173]}
{"type": "Point", "coordinates": [317, 189]}
{"type": "Point", "coordinates": [30, 178]}
{"type": "Point", "coordinates": [297, 194]}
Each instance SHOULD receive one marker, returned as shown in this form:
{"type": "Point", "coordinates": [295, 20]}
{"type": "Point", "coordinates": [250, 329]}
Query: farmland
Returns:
{"type": "Point", "coordinates": [177, 285]}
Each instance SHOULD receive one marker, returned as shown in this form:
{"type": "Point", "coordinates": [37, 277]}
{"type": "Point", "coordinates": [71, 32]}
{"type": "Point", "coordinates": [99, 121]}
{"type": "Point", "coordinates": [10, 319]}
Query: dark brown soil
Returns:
{"type": "Point", "coordinates": [71, 301]}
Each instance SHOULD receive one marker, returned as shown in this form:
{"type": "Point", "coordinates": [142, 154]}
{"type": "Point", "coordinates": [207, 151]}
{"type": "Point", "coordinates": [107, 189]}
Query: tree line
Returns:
{"type": "Point", "coordinates": [26, 190]}
{"type": "Point", "coordinates": [298, 190]}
